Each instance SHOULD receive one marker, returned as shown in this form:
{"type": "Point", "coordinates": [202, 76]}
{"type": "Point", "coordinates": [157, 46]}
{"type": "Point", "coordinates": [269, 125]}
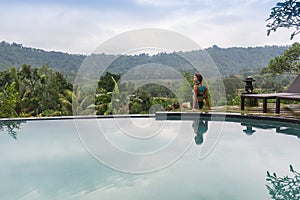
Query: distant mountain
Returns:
{"type": "Point", "coordinates": [237, 59]}
{"type": "Point", "coordinates": [17, 55]}
{"type": "Point", "coordinates": [229, 60]}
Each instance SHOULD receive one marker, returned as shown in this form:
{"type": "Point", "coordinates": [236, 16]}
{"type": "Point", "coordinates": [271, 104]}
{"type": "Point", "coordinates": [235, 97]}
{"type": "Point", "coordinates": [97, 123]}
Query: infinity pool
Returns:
{"type": "Point", "coordinates": [145, 158]}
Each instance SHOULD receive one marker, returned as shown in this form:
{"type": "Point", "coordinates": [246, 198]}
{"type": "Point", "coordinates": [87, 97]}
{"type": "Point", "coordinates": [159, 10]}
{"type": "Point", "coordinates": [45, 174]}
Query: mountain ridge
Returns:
{"type": "Point", "coordinates": [229, 61]}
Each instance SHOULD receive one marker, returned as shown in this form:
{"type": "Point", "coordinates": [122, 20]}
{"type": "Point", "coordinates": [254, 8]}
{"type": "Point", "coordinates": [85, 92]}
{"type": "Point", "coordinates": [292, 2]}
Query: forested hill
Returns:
{"type": "Point", "coordinates": [229, 60]}
{"type": "Point", "coordinates": [17, 55]}
{"type": "Point", "coordinates": [236, 59]}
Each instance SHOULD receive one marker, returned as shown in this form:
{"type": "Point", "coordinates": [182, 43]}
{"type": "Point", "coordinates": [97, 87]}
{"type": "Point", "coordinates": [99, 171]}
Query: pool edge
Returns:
{"type": "Point", "coordinates": [164, 115]}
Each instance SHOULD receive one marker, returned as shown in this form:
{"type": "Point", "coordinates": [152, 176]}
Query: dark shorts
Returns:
{"type": "Point", "coordinates": [198, 106]}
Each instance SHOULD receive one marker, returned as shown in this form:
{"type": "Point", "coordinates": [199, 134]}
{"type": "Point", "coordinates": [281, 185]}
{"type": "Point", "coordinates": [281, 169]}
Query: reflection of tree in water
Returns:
{"type": "Point", "coordinates": [9, 127]}
{"type": "Point", "coordinates": [284, 188]}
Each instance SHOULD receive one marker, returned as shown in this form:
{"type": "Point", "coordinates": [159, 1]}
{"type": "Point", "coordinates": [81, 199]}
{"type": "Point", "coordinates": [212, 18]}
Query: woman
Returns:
{"type": "Point", "coordinates": [200, 92]}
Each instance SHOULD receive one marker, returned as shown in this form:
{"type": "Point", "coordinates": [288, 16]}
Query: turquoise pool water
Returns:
{"type": "Point", "coordinates": [49, 159]}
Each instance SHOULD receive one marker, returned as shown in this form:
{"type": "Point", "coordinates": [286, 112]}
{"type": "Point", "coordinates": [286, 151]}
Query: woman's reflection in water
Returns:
{"type": "Point", "coordinates": [200, 127]}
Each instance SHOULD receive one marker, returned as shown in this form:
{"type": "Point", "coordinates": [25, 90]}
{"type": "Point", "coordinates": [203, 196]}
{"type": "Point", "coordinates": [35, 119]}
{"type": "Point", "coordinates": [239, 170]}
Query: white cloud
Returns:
{"type": "Point", "coordinates": [170, 3]}
{"type": "Point", "coordinates": [78, 29]}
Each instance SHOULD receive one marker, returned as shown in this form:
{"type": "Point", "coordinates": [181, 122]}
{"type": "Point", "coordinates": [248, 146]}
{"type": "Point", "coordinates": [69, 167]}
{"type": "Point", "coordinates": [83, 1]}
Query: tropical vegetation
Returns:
{"type": "Point", "coordinates": [29, 91]}
{"type": "Point", "coordinates": [34, 92]}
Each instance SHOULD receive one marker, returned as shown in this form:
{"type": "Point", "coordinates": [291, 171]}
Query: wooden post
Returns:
{"type": "Point", "coordinates": [265, 105]}
{"type": "Point", "coordinates": [277, 106]}
{"type": "Point", "coordinates": [242, 102]}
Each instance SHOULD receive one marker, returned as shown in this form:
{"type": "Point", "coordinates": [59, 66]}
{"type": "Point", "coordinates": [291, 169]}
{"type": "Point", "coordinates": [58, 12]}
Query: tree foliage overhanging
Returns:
{"type": "Point", "coordinates": [285, 15]}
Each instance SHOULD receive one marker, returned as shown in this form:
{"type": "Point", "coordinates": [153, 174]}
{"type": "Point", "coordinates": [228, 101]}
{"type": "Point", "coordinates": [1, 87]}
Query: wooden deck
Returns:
{"type": "Point", "coordinates": [286, 110]}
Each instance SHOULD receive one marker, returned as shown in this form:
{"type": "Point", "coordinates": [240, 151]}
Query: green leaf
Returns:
{"type": "Point", "coordinates": [291, 169]}
{"type": "Point", "coordinates": [279, 4]}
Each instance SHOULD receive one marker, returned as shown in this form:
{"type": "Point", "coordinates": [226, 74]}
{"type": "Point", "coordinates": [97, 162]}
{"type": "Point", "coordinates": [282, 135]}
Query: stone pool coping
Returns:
{"type": "Point", "coordinates": [215, 116]}
{"type": "Point", "coordinates": [224, 116]}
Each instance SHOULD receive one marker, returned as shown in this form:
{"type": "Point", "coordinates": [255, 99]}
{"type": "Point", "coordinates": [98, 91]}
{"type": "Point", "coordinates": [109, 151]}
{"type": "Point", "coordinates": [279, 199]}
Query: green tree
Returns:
{"type": "Point", "coordinates": [120, 100]}
{"type": "Point", "coordinates": [288, 62]}
{"type": "Point", "coordinates": [140, 102]}
{"type": "Point", "coordinates": [34, 91]}
{"type": "Point", "coordinates": [52, 88]}
{"type": "Point", "coordinates": [83, 103]}
{"type": "Point", "coordinates": [107, 83]}
{"type": "Point", "coordinates": [232, 84]}
{"type": "Point", "coordinates": [104, 93]}
{"type": "Point", "coordinates": [285, 14]}
{"type": "Point", "coordinates": [185, 89]}
{"type": "Point", "coordinates": [29, 98]}
{"type": "Point", "coordinates": [8, 100]}
{"type": "Point", "coordinates": [65, 100]}
{"type": "Point", "coordinates": [216, 90]}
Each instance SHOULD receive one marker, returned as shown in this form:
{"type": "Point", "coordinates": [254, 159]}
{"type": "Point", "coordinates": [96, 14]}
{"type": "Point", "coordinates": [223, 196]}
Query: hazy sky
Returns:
{"type": "Point", "coordinates": [80, 26]}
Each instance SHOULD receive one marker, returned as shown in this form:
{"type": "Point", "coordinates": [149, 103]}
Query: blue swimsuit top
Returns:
{"type": "Point", "coordinates": [201, 92]}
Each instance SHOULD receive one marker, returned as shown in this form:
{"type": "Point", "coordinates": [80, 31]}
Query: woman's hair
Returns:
{"type": "Point", "coordinates": [199, 77]}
